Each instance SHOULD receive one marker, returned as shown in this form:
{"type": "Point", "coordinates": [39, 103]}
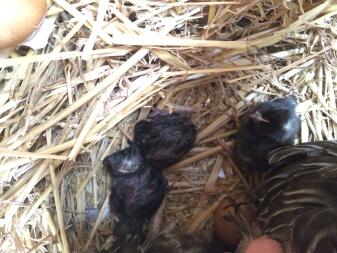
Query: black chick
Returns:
{"type": "Point", "coordinates": [137, 190]}
{"type": "Point", "coordinates": [267, 126]}
{"type": "Point", "coordinates": [165, 138]}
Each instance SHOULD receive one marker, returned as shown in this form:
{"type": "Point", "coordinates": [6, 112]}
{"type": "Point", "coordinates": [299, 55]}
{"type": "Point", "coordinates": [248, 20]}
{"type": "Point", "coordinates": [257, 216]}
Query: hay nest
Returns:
{"type": "Point", "coordinates": [64, 108]}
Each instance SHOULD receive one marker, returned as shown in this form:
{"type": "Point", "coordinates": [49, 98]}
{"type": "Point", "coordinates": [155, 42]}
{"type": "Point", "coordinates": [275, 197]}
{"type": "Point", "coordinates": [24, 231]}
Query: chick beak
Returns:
{"type": "Point", "coordinates": [257, 117]}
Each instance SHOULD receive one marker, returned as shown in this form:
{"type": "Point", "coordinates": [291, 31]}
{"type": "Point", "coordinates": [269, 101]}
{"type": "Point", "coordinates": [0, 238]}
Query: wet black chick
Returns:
{"type": "Point", "coordinates": [267, 126]}
{"type": "Point", "coordinates": [137, 190]}
{"type": "Point", "coordinates": [165, 138]}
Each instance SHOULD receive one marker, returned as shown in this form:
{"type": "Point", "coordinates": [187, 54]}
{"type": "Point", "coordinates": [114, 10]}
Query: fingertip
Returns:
{"type": "Point", "coordinates": [264, 245]}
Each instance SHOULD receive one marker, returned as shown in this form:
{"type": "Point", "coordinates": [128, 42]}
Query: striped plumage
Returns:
{"type": "Point", "coordinates": [298, 205]}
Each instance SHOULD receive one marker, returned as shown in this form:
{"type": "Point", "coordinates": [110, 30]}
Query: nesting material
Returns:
{"type": "Point", "coordinates": [66, 107]}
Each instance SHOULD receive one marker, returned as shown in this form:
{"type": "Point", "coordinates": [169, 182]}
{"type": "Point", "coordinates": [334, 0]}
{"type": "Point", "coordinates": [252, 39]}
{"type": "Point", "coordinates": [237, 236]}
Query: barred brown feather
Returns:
{"type": "Point", "coordinates": [299, 198]}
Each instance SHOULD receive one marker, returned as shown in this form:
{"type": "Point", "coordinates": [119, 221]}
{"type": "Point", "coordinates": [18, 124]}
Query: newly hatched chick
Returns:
{"type": "Point", "coordinates": [137, 190]}
{"type": "Point", "coordinates": [165, 138]}
{"type": "Point", "coordinates": [268, 126]}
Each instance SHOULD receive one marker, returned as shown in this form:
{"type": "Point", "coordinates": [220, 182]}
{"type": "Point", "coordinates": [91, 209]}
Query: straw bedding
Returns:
{"type": "Point", "coordinates": [64, 108]}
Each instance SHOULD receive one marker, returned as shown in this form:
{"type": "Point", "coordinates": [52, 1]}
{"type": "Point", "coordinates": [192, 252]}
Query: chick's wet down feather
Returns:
{"type": "Point", "coordinates": [165, 138]}
{"type": "Point", "coordinates": [137, 190]}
